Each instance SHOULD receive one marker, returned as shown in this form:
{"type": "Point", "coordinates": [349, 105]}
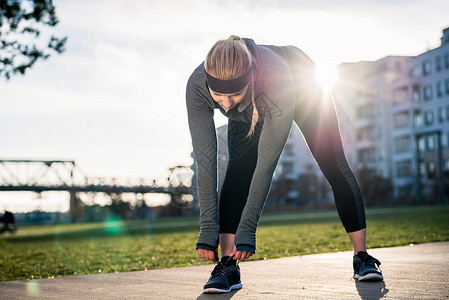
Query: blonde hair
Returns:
{"type": "Point", "coordinates": [229, 59]}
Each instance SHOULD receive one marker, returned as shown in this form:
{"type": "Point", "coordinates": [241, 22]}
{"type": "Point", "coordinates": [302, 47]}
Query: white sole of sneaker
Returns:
{"type": "Point", "coordinates": [221, 291]}
{"type": "Point", "coordinates": [369, 277]}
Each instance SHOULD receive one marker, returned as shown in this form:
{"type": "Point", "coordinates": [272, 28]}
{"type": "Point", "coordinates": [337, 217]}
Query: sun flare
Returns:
{"type": "Point", "coordinates": [326, 75]}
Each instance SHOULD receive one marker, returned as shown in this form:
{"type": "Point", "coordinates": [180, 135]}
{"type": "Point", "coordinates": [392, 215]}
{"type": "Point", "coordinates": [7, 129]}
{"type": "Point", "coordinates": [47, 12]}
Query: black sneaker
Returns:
{"type": "Point", "coordinates": [225, 277]}
{"type": "Point", "coordinates": [366, 267]}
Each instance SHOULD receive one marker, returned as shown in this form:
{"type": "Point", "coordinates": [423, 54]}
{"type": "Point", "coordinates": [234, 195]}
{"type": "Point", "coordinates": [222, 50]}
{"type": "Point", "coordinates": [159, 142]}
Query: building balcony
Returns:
{"type": "Point", "coordinates": [365, 122]}
{"type": "Point", "coordinates": [288, 157]}
{"type": "Point", "coordinates": [365, 100]}
{"type": "Point", "coordinates": [406, 155]}
{"type": "Point", "coordinates": [371, 165]}
{"type": "Point", "coordinates": [398, 108]}
{"type": "Point", "coordinates": [365, 144]}
{"type": "Point", "coordinates": [406, 130]}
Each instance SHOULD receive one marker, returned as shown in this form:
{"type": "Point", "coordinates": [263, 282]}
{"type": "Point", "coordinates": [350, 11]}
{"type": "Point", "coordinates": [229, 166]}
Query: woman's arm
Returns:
{"type": "Point", "coordinates": [278, 103]}
{"type": "Point", "coordinates": [204, 141]}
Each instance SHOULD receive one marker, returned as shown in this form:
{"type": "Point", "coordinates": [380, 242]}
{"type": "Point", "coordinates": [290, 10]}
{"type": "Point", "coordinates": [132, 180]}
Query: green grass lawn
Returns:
{"type": "Point", "coordinates": [116, 246]}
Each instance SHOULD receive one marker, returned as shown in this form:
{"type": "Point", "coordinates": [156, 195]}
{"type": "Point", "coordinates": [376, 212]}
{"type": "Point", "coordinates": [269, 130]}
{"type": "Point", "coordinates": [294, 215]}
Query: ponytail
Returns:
{"type": "Point", "coordinates": [255, 116]}
{"type": "Point", "coordinates": [230, 59]}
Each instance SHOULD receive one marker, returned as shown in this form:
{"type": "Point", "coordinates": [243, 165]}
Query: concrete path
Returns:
{"type": "Point", "coordinates": [411, 272]}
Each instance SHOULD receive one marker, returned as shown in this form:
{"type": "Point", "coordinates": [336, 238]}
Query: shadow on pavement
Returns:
{"type": "Point", "coordinates": [217, 296]}
{"type": "Point", "coordinates": [371, 290]}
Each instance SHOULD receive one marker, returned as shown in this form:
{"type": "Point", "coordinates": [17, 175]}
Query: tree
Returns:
{"type": "Point", "coordinates": [21, 41]}
{"type": "Point", "coordinates": [376, 189]}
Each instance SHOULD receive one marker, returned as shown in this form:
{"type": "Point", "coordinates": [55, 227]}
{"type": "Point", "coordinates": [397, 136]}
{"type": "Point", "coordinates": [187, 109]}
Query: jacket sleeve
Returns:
{"type": "Point", "coordinates": [204, 141]}
{"type": "Point", "coordinates": [279, 101]}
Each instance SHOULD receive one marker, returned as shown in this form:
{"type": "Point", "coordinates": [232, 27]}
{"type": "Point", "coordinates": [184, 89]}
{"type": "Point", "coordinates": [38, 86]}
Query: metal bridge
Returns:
{"type": "Point", "coordinates": [64, 175]}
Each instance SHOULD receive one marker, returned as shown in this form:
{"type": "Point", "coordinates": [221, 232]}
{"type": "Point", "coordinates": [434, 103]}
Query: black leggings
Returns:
{"type": "Point", "coordinates": [316, 117]}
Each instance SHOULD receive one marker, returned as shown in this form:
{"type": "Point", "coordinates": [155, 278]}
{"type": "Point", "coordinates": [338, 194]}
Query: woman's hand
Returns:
{"type": "Point", "coordinates": [207, 254]}
{"type": "Point", "coordinates": [241, 255]}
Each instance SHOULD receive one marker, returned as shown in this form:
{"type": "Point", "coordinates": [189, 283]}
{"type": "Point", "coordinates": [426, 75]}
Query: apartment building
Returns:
{"type": "Point", "coordinates": [394, 119]}
{"type": "Point", "coordinates": [421, 125]}
{"type": "Point", "coordinates": [398, 110]}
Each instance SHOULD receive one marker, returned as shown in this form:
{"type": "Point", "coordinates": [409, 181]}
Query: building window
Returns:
{"type": "Point", "coordinates": [404, 168]}
{"type": "Point", "coordinates": [427, 66]}
{"type": "Point", "coordinates": [288, 150]}
{"type": "Point", "coordinates": [447, 112]}
{"type": "Point", "coordinates": [440, 89]}
{"type": "Point", "coordinates": [418, 121]}
{"type": "Point", "coordinates": [438, 63]}
{"type": "Point", "coordinates": [431, 169]}
{"type": "Point", "coordinates": [416, 72]}
{"type": "Point", "coordinates": [427, 92]}
{"type": "Point", "coordinates": [446, 165]}
{"type": "Point", "coordinates": [444, 139]}
{"type": "Point", "coordinates": [402, 144]}
{"type": "Point", "coordinates": [421, 145]}
{"type": "Point", "coordinates": [430, 143]}
{"type": "Point", "coordinates": [400, 96]}
{"type": "Point", "coordinates": [428, 117]}
{"type": "Point", "coordinates": [366, 134]}
{"type": "Point", "coordinates": [287, 168]}
{"type": "Point", "coordinates": [367, 155]}
{"type": "Point", "coordinates": [441, 114]}
{"type": "Point", "coordinates": [446, 60]}
{"type": "Point", "coordinates": [422, 169]}
{"type": "Point", "coordinates": [446, 84]}
{"type": "Point", "coordinates": [401, 120]}
{"type": "Point", "coordinates": [365, 112]}
{"type": "Point", "coordinates": [415, 93]}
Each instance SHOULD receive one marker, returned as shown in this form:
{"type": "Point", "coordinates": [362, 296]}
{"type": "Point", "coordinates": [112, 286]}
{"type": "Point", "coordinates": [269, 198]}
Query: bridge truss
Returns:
{"type": "Point", "coordinates": [64, 175]}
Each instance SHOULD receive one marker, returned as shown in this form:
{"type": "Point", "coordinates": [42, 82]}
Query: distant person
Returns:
{"type": "Point", "coordinates": [9, 222]}
{"type": "Point", "coordinates": [262, 90]}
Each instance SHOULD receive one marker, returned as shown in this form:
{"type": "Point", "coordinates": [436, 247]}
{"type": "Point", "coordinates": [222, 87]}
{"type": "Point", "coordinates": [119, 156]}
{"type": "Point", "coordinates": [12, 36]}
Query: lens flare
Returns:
{"type": "Point", "coordinates": [33, 288]}
{"type": "Point", "coordinates": [326, 75]}
{"type": "Point", "coordinates": [114, 226]}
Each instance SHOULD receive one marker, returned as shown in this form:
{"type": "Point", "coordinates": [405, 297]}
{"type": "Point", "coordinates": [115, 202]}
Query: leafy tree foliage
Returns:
{"type": "Point", "coordinates": [21, 41]}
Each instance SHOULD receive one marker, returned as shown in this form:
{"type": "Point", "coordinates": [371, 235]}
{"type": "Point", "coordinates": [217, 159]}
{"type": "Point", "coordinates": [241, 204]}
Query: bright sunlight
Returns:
{"type": "Point", "coordinates": [326, 75]}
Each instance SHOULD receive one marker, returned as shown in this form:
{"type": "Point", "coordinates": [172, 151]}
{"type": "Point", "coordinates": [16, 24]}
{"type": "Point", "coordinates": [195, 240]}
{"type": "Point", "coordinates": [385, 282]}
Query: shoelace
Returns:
{"type": "Point", "coordinates": [221, 269]}
{"type": "Point", "coordinates": [368, 259]}
{"type": "Point", "coordinates": [217, 268]}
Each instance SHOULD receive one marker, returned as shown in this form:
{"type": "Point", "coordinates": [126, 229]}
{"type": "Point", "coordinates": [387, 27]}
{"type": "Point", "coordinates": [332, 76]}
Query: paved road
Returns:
{"type": "Point", "coordinates": [411, 272]}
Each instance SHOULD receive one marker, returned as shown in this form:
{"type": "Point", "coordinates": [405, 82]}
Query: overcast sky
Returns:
{"type": "Point", "coordinates": [114, 100]}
